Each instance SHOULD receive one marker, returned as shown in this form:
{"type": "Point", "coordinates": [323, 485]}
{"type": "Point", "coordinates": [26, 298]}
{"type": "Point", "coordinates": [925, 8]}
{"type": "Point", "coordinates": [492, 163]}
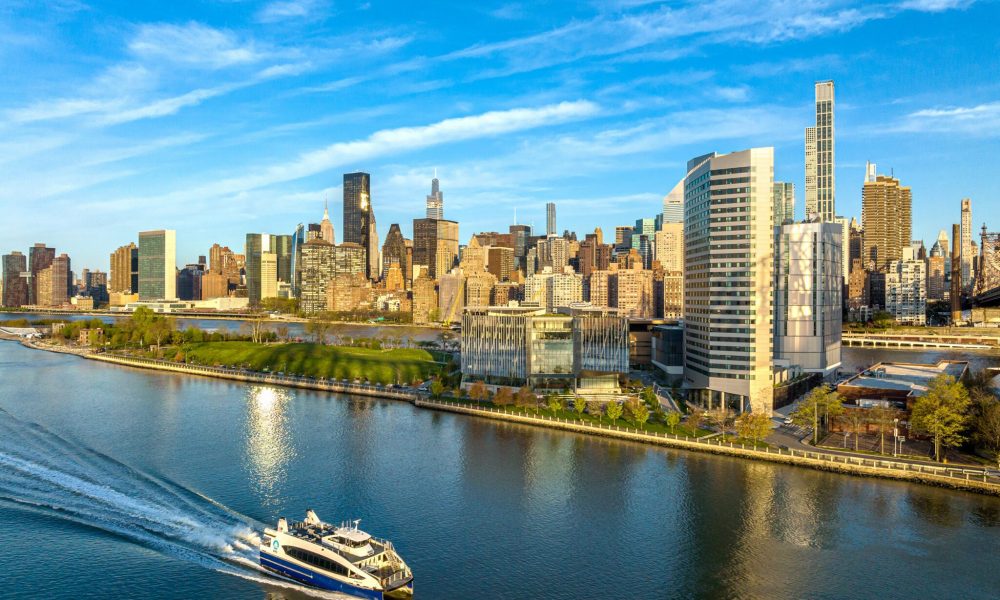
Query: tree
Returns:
{"type": "Point", "coordinates": [854, 420]}
{"type": "Point", "coordinates": [753, 426]}
{"type": "Point", "coordinates": [503, 397]}
{"type": "Point", "coordinates": [554, 403]}
{"type": "Point", "coordinates": [941, 413]}
{"type": "Point", "coordinates": [579, 405]}
{"type": "Point", "coordinates": [526, 398]}
{"type": "Point", "coordinates": [595, 409]}
{"type": "Point", "coordinates": [318, 329]}
{"type": "Point", "coordinates": [478, 391]}
{"type": "Point", "coordinates": [720, 416]}
{"type": "Point", "coordinates": [884, 420]}
{"type": "Point", "coordinates": [613, 410]}
{"type": "Point", "coordinates": [821, 403]}
{"type": "Point", "coordinates": [696, 416]}
{"type": "Point", "coordinates": [648, 396]}
{"type": "Point", "coordinates": [986, 424]}
{"type": "Point", "coordinates": [883, 319]}
{"type": "Point", "coordinates": [673, 420]}
{"type": "Point", "coordinates": [640, 415]}
{"type": "Point", "coordinates": [437, 388]}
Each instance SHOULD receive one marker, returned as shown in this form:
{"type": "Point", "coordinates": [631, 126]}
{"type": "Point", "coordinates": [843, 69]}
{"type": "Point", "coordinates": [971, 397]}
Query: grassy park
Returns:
{"type": "Point", "coordinates": [401, 365]}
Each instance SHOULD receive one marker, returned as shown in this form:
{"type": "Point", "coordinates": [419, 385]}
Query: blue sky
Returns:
{"type": "Point", "coordinates": [219, 118]}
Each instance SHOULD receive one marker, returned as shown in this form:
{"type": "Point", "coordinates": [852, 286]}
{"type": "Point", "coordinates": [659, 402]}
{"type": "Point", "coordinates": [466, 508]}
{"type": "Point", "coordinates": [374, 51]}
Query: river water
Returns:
{"type": "Point", "coordinates": [116, 482]}
{"type": "Point", "coordinates": [295, 329]}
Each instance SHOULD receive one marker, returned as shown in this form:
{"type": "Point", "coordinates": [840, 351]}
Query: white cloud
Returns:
{"type": "Point", "coordinates": [510, 11]}
{"type": "Point", "coordinates": [978, 120]}
{"type": "Point", "coordinates": [935, 5]}
{"type": "Point", "coordinates": [284, 10]}
{"type": "Point", "coordinates": [192, 45]}
{"type": "Point", "coordinates": [391, 141]}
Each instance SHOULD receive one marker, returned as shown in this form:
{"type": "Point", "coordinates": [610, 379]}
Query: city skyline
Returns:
{"type": "Point", "coordinates": [150, 149]}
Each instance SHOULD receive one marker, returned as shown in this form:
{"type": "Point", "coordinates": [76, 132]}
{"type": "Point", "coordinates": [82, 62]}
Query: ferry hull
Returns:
{"type": "Point", "coordinates": [315, 579]}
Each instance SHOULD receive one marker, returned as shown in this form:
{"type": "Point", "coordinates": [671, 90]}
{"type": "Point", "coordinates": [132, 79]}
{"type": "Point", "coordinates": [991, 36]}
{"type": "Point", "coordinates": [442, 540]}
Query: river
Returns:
{"type": "Point", "coordinates": [116, 482]}
{"type": "Point", "coordinates": [295, 329]}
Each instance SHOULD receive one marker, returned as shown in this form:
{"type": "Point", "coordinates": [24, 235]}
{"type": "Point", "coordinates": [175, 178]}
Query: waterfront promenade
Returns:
{"type": "Point", "coordinates": [969, 479]}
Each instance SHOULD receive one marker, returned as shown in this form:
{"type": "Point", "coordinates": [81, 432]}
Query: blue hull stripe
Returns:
{"type": "Point", "coordinates": [315, 578]}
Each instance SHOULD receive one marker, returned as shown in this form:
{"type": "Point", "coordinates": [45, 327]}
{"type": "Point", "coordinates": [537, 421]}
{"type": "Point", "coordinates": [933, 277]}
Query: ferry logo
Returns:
{"type": "Point", "coordinates": [275, 544]}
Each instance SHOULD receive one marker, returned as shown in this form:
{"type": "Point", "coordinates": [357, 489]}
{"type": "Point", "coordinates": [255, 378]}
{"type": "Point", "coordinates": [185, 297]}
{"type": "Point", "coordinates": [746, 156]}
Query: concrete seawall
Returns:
{"type": "Point", "coordinates": [873, 467]}
{"type": "Point", "coordinates": [359, 389]}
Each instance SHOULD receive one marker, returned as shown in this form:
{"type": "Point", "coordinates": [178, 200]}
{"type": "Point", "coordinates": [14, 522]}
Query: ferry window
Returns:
{"type": "Point", "coordinates": [316, 560]}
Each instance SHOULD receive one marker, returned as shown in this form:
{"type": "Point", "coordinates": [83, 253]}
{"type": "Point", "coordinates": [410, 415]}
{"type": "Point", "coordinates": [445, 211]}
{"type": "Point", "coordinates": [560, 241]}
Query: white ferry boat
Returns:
{"type": "Point", "coordinates": [341, 558]}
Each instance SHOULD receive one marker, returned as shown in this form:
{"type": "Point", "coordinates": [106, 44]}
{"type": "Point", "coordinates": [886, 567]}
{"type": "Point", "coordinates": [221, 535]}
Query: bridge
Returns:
{"type": "Point", "coordinates": [986, 290]}
{"type": "Point", "coordinates": [902, 340]}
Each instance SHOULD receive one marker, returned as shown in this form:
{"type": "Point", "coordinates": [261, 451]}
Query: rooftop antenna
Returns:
{"type": "Point", "coordinates": [435, 172]}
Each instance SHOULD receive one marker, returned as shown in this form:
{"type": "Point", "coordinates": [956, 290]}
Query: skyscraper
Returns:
{"type": "Point", "coordinates": [435, 246]}
{"type": "Point", "coordinates": [325, 226]}
{"type": "Point", "coordinates": [256, 245]}
{"type": "Point", "coordinates": [885, 218]}
{"type": "Point", "coordinates": [15, 280]}
{"type": "Point", "coordinates": [39, 258]}
{"type": "Point", "coordinates": [820, 180]}
{"type": "Point", "coordinates": [125, 269]}
{"type": "Point", "coordinates": [435, 200]}
{"type": "Point", "coordinates": [158, 265]}
{"type": "Point", "coordinates": [727, 305]}
{"type": "Point", "coordinates": [784, 202]}
{"type": "Point", "coordinates": [967, 250]}
{"type": "Point", "coordinates": [808, 288]}
{"type": "Point", "coordinates": [550, 219]}
{"type": "Point", "coordinates": [673, 204]}
{"type": "Point", "coordinates": [394, 251]}
{"type": "Point", "coordinates": [359, 220]}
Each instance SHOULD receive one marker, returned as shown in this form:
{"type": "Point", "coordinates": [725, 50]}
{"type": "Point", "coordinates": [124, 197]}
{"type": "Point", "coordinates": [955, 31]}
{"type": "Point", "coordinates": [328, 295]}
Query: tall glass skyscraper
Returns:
{"type": "Point", "coordinates": [550, 219]}
{"type": "Point", "coordinates": [158, 265]}
{"type": "Point", "coordinates": [820, 176]}
{"type": "Point", "coordinates": [435, 200]}
{"type": "Point", "coordinates": [358, 217]}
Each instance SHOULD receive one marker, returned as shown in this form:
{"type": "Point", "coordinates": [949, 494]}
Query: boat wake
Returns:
{"type": "Point", "coordinates": [45, 473]}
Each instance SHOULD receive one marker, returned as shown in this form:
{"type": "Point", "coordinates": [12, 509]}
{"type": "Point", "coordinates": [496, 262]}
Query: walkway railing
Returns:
{"type": "Point", "coordinates": [981, 477]}
{"type": "Point", "coordinates": [328, 385]}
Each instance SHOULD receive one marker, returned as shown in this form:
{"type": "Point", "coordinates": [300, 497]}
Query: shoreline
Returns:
{"type": "Point", "coordinates": [938, 476]}
{"type": "Point", "coordinates": [214, 317]}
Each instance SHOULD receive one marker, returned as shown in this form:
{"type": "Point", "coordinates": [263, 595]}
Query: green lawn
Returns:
{"type": "Point", "coordinates": [402, 365]}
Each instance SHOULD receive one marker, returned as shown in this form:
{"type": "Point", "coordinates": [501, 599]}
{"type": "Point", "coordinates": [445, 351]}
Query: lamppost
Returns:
{"type": "Point", "coordinates": [895, 435]}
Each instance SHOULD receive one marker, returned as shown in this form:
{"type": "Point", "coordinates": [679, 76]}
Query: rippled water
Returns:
{"type": "Point", "coordinates": [480, 509]}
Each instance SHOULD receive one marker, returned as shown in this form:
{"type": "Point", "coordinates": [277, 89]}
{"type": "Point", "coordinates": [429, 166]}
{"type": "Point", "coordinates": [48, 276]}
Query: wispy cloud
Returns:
{"type": "Point", "coordinates": [394, 141]}
{"type": "Point", "coordinates": [509, 11]}
{"type": "Point", "coordinates": [978, 120]}
{"type": "Point", "coordinates": [809, 64]}
{"type": "Point", "coordinates": [193, 45]}
{"type": "Point", "coordinates": [286, 10]}
{"type": "Point", "coordinates": [935, 5]}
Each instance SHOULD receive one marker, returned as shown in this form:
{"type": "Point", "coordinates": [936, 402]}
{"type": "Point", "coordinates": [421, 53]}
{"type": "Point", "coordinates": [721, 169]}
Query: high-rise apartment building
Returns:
{"type": "Point", "coordinates": [435, 200]}
{"type": "Point", "coordinates": [906, 289]}
{"type": "Point", "coordinates": [820, 157]}
{"type": "Point", "coordinates": [968, 253]}
{"type": "Point", "coordinates": [435, 245]}
{"type": "Point", "coordinates": [15, 280]}
{"type": "Point", "coordinates": [937, 267]}
{"type": "Point", "coordinates": [316, 272]}
{"type": "Point", "coordinates": [359, 218]}
{"type": "Point", "coordinates": [125, 269]}
{"type": "Point", "coordinates": [784, 202]}
{"type": "Point", "coordinates": [39, 258]}
{"type": "Point", "coordinates": [808, 290]}
{"type": "Point", "coordinates": [258, 244]}
{"type": "Point", "coordinates": [158, 265]}
{"type": "Point", "coordinates": [54, 282]}
{"type": "Point", "coordinates": [845, 247]}
{"type": "Point", "coordinates": [886, 220]}
{"type": "Point", "coordinates": [550, 219]}
{"type": "Point", "coordinates": [631, 292]}
{"type": "Point", "coordinates": [727, 278]}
